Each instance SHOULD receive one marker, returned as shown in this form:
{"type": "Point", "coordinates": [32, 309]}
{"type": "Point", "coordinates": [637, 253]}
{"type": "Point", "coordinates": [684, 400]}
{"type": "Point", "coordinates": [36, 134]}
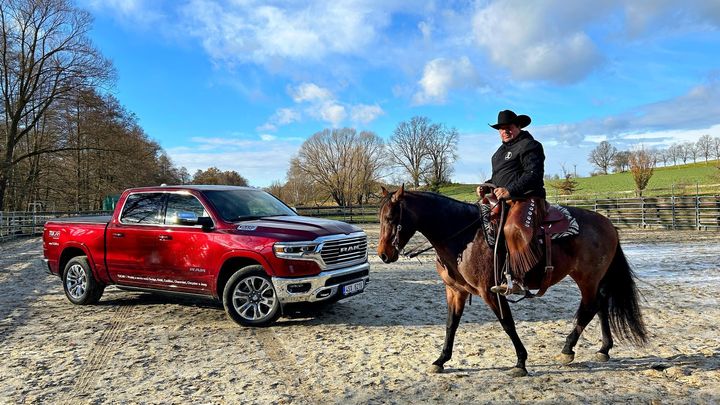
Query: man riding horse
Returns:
{"type": "Point", "coordinates": [517, 174]}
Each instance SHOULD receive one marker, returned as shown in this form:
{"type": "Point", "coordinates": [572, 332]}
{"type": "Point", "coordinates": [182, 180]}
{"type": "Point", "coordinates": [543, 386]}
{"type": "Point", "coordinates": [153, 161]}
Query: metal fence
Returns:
{"type": "Point", "coordinates": [677, 212]}
{"type": "Point", "coordinates": [20, 223]}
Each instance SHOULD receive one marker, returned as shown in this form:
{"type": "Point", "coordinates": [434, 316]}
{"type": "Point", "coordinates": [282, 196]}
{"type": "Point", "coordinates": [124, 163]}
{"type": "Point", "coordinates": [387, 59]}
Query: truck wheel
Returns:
{"type": "Point", "coordinates": [249, 297]}
{"type": "Point", "coordinates": [80, 285]}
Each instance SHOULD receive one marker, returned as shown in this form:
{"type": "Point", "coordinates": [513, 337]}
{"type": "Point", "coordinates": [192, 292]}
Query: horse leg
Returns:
{"type": "Point", "coordinates": [456, 306]}
{"type": "Point", "coordinates": [508, 325]}
{"type": "Point", "coordinates": [607, 340]}
{"type": "Point", "coordinates": [587, 310]}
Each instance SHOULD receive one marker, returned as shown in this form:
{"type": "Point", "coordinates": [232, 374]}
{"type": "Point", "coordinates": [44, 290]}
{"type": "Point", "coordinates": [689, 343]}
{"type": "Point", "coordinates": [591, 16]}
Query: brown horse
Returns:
{"type": "Point", "coordinates": [593, 258]}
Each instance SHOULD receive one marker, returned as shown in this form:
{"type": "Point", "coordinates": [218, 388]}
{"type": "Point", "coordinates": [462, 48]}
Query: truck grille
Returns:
{"type": "Point", "coordinates": [339, 252]}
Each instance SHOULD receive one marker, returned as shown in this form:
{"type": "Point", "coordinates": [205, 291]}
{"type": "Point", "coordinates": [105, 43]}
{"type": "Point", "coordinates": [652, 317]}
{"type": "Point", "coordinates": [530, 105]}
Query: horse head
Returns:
{"type": "Point", "coordinates": [396, 228]}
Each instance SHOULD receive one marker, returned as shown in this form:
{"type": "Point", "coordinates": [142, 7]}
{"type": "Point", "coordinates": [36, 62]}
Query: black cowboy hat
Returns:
{"type": "Point", "coordinates": [507, 117]}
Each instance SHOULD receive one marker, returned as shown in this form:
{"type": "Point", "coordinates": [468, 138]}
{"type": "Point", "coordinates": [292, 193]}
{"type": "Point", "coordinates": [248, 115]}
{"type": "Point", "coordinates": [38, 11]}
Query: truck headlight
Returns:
{"type": "Point", "coordinates": [297, 250]}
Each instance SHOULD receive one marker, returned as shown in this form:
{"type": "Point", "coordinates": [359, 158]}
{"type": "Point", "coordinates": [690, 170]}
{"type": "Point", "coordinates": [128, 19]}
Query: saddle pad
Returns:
{"type": "Point", "coordinates": [490, 232]}
{"type": "Point", "coordinates": [573, 227]}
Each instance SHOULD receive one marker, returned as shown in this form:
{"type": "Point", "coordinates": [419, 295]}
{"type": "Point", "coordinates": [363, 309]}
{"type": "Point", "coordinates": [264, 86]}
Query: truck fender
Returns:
{"type": "Point", "coordinates": [247, 254]}
{"type": "Point", "coordinates": [86, 253]}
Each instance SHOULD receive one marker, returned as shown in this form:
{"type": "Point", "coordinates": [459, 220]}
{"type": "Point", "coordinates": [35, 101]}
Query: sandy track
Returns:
{"type": "Point", "coordinates": [373, 348]}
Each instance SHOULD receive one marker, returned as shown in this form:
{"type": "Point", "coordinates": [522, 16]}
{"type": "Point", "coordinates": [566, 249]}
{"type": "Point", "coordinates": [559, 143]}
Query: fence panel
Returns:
{"type": "Point", "coordinates": [677, 212]}
{"type": "Point", "coordinates": [18, 223]}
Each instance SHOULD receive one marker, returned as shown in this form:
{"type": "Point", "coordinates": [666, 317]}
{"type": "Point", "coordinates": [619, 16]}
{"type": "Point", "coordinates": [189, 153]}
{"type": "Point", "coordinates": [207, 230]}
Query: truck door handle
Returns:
{"type": "Point", "coordinates": [118, 235]}
{"type": "Point", "coordinates": [165, 237]}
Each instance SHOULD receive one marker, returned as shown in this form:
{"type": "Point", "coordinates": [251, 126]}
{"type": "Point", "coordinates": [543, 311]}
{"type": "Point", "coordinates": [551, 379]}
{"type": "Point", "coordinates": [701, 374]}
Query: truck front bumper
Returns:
{"type": "Point", "coordinates": [322, 287]}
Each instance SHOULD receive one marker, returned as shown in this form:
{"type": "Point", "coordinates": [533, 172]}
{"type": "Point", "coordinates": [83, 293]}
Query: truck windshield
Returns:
{"type": "Point", "coordinates": [240, 205]}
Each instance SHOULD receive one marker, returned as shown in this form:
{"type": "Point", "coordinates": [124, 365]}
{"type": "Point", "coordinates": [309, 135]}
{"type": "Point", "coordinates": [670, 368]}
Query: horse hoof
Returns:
{"type": "Point", "coordinates": [518, 372]}
{"type": "Point", "coordinates": [565, 358]}
{"type": "Point", "coordinates": [601, 357]}
{"type": "Point", "coordinates": [435, 369]}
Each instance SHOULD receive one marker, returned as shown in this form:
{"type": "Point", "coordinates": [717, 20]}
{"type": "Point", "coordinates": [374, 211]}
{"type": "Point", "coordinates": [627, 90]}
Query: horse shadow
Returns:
{"type": "Point", "coordinates": [392, 298]}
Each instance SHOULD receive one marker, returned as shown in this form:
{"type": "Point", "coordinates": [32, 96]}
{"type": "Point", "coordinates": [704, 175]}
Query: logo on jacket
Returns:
{"type": "Point", "coordinates": [508, 156]}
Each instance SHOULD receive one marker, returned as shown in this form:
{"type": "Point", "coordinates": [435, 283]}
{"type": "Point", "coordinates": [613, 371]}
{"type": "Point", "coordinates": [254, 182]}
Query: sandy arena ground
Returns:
{"type": "Point", "coordinates": [370, 349]}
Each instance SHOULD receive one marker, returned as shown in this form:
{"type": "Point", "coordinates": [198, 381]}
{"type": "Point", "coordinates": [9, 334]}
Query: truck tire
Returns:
{"type": "Point", "coordinates": [80, 285]}
{"type": "Point", "coordinates": [250, 299]}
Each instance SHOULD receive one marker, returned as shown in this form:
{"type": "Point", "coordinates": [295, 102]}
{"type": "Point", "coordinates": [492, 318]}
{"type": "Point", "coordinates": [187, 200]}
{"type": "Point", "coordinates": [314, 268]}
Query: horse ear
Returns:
{"type": "Point", "coordinates": [399, 194]}
{"type": "Point", "coordinates": [384, 191]}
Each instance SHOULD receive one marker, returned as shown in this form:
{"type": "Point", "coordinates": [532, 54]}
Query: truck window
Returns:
{"type": "Point", "coordinates": [143, 208]}
{"type": "Point", "coordinates": [183, 203]}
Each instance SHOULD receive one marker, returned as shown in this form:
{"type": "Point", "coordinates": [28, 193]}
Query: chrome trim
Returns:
{"type": "Point", "coordinates": [317, 284]}
{"type": "Point", "coordinates": [316, 254]}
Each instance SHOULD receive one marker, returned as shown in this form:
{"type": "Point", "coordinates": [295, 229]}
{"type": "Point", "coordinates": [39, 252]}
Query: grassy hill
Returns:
{"type": "Point", "coordinates": [677, 180]}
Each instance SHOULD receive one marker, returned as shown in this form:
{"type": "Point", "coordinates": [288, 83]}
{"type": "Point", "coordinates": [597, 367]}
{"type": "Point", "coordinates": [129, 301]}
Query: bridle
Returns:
{"type": "Point", "coordinates": [398, 227]}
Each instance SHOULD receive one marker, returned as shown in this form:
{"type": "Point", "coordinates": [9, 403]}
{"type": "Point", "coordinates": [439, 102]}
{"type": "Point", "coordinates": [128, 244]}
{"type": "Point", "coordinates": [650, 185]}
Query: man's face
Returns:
{"type": "Point", "coordinates": [509, 132]}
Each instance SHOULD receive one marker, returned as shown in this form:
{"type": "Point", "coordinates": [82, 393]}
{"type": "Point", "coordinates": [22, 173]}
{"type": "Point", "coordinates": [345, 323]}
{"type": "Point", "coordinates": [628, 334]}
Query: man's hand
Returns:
{"type": "Point", "coordinates": [501, 193]}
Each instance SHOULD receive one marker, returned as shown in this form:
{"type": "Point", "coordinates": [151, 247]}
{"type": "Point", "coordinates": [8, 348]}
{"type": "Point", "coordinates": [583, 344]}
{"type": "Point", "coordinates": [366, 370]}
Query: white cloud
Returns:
{"type": "Point", "coordinates": [268, 137]}
{"type": "Point", "coordinates": [442, 75]}
{"type": "Point", "coordinates": [310, 92]}
{"type": "Point", "coordinates": [539, 40]}
{"type": "Point", "coordinates": [138, 13]}
{"type": "Point", "coordinates": [255, 31]}
{"type": "Point", "coordinates": [330, 112]}
{"type": "Point", "coordinates": [426, 30]}
{"type": "Point", "coordinates": [320, 103]}
{"type": "Point", "coordinates": [364, 114]}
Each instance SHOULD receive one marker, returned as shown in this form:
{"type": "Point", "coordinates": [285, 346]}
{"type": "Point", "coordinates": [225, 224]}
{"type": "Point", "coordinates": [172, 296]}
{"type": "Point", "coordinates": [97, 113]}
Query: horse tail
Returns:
{"type": "Point", "coordinates": [622, 295]}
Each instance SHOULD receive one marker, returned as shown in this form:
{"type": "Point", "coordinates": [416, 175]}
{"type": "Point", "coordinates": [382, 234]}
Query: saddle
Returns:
{"type": "Point", "coordinates": [553, 222]}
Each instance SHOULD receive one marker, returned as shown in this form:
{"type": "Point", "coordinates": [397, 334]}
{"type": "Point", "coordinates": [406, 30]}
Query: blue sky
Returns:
{"type": "Point", "coordinates": [240, 84]}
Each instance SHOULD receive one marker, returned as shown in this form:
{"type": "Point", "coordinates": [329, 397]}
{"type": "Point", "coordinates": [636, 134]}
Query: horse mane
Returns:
{"type": "Point", "coordinates": [456, 204]}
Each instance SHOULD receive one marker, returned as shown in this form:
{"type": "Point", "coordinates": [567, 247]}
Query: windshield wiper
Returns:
{"type": "Point", "coordinates": [248, 217]}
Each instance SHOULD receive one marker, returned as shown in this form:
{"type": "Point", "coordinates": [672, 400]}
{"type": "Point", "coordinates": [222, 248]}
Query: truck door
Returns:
{"type": "Point", "coordinates": [185, 248]}
{"type": "Point", "coordinates": [132, 250]}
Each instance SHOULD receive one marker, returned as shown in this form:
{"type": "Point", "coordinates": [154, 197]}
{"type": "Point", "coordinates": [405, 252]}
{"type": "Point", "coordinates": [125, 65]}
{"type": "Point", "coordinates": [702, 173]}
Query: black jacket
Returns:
{"type": "Point", "coordinates": [519, 166]}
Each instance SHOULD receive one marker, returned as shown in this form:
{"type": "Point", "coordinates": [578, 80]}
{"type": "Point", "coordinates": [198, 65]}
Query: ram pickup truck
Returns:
{"type": "Point", "coordinates": [238, 245]}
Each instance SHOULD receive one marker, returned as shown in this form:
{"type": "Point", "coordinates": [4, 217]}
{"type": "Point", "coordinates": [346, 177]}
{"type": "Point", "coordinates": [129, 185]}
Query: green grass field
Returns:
{"type": "Point", "coordinates": [687, 179]}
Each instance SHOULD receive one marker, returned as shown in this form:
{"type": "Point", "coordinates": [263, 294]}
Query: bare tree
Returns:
{"type": "Point", "coordinates": [675, 152]}
{"type": "Point", "coordinates": [45, 54]}
{"type": "Point", "coordinates": [441, 154]}
{"type": "Point", "coordinates": [705, 146]}
{"type": "Point", "coordinates": [369, 162]}
{"type": "Point", "coordinates": [621, 161]}
{"type": "Point", "coordinates": [691, 150]}
{"type": "Point", "coordinates": [716, 147]}
{"type": "Point", "coordinates": [642, 165]}
{"type": "Point", "coordinates": [602, 156]}
{"type": "Point", "coordinates": [343, 163]}
{"type": "Point", "coordinates": [408, 147]}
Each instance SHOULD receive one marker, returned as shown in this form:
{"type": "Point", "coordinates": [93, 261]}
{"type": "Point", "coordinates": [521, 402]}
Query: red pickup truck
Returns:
{"type": "Point", "coordinates": [239, 245]}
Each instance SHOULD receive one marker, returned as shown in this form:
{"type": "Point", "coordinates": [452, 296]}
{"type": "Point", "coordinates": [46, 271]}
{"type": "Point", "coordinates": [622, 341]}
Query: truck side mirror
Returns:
{"type": "Point", "coordinates": [206, 223]}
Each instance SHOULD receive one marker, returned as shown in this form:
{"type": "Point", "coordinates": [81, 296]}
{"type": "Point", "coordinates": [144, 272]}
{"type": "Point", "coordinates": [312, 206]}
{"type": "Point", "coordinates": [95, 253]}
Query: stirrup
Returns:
{"type": "Point", "coordinates": [504, 289]}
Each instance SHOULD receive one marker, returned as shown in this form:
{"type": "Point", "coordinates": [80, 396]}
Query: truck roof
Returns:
{"type": "Point", "coordinates": [198, 187]}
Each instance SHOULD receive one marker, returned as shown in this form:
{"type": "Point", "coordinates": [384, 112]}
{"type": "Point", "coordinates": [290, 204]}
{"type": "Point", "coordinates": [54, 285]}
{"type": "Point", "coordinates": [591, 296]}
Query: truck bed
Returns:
{"type": "Point", "coordinates": [93, 219]}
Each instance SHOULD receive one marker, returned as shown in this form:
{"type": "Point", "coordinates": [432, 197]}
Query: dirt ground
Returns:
{"type": "Point", "coordinates": [374, 348]}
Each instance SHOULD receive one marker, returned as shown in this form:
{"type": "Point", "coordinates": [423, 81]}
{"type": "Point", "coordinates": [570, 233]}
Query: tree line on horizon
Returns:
{"type": "Point", "coordinates": [66, 143]}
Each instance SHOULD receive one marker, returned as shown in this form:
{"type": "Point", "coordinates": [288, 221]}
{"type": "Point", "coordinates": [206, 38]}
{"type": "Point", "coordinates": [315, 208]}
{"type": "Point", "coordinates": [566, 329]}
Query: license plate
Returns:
{"type": "Point", "coordinates": [353, 288]}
